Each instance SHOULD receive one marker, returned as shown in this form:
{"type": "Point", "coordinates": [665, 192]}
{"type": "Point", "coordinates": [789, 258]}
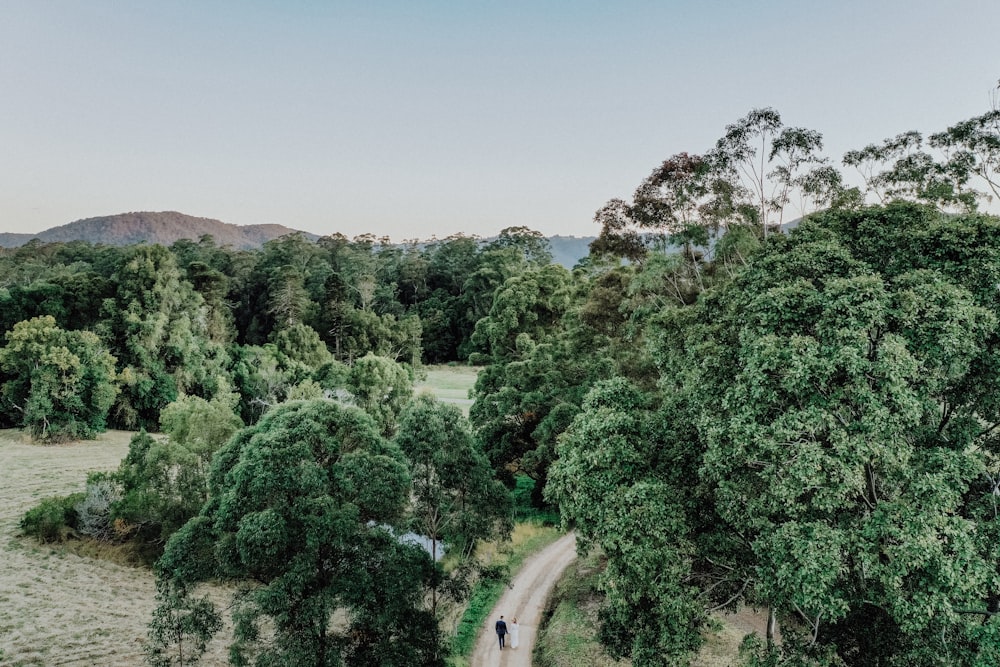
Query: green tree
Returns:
{"type": "Point", "coordinates": [164, 482]}
{"type": "Point", "coordinates": [533, 381]}
{"type": "Point", "coordinates": [181, 627]}
{"type": "Point", "coordinates": [822, 445]}
{"type": "Point", "coordinates": [847, 437]}
{"type": "Point", "coordinates": [298, 506]}
{"type": "Point", "coordinates": [610, 484]}
{"type": "Point", "coordinates": [381, 388]}
{"type": "Point", "coordinates": [157, 327]}
{"type": "Point", "coordinates": [763, 160]}
{"type": "Point", "coordinates": [899, 168]}
{"type": "Point", "coordinates": [62, 383]}
{"type": "Point", "coordinates": [526, 308]}
{"type": "Point", "coordinates": [456, 499]}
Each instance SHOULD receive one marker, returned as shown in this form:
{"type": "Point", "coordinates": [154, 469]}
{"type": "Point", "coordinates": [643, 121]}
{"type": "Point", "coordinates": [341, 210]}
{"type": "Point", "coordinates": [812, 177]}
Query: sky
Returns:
{"type": "Point", "coordinates": [416, 119]}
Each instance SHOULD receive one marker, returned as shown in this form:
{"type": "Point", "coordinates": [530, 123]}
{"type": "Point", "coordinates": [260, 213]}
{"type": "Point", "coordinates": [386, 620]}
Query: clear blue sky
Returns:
{"type": "Point", "coordinates": [413, 119]}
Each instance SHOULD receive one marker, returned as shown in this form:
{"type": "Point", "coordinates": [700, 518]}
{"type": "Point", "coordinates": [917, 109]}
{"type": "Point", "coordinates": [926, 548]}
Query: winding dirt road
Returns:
{"type": "Point", "coordinates": [525, 599]}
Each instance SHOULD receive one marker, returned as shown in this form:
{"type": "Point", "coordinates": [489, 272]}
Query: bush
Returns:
{"type": "Point", "coordinates": [53, 519]}
{"type": "Point", "coordinates": [94, 509]}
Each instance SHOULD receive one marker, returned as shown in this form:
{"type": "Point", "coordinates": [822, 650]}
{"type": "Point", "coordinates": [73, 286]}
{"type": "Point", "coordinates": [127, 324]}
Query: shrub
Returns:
{"type": "Point", "coordinates": [53, 519]}
{"type": "Point", "coordinates": [94, 509]}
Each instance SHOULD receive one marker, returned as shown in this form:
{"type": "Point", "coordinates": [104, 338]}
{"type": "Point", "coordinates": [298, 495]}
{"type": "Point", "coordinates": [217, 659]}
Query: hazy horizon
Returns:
{"type": "Point", "coordinates": [419, 119]}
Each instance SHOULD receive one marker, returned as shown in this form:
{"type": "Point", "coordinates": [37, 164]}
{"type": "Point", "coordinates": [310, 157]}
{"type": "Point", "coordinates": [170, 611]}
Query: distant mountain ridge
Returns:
{"type": "Point", "coordinates": [164, 228]}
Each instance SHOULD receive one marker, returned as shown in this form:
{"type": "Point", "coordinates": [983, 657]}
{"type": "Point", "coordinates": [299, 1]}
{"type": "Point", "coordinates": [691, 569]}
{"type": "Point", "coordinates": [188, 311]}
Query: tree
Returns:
{"type": "Point", "coordinates": [163, 482]}
{"type": "Point", "coordinates": [528, 245]}
{"type": "Point", "coordinates": [756, 170]}
{"type": "Point", "coordinates": [526, 307]}
{"type": "Point", "coordinates": [899, 169]}
{"type": "Point", "coordinates": [836, 408]}
{"type": "Point", "coordinates": [607, 484]}
{"type": "Point", "coordinates": [181, 627]}
{"type": "Point", "coordinates": [62, 383]}
{"type": "Point", "coordinates": [381, 388]}
{"type": "Point", "coordinates": [298, 506]}
{"type": "Point", "coordinates": [822, 445]}
{"type": "Point", "coordinates": [762, 160]}
{"type": "Point", "coordinates": [456, 499]}
{"type": "Point", "coordinates": [157, 327]}
{"type": "Point", "coordinates": [974, 144]}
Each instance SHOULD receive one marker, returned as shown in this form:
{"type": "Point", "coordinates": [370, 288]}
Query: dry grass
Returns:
{"type": "Point", "coordinates": [569, 636]}
{"type": "Point", "coordinates": [58, 607]}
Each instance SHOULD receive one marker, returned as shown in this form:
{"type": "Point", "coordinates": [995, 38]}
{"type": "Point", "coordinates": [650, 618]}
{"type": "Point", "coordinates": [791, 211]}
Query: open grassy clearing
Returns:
{"type": "Point", "coordinates": [56, 607]}
{"type": "Point", "coordinates": [450, 384]}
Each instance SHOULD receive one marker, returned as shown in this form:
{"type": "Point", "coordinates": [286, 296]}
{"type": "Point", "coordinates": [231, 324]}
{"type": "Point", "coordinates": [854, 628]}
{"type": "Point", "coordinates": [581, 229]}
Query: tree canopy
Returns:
{"type": "Point", "coordinates": [825, 448]}
{"type": "Point", "coordinates": [300, 505]}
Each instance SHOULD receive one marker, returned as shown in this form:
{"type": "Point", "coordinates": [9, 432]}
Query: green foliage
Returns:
{"type": "Point", "coordinates": [455, 496]}
{"type": "Point", "coordinates": [53, 519]}
{"type": "Point", "coordinates": [181, 627]}
{"type": "Point", "coordinates": [297, 505]}
{"type": "Point", "coordinates": [523, 494]}
{"type": "Point", "coordinates": [604, 482]}
{"type": "Point", "coordinates": [535, 380]}
{"type": "Point", "coordinates": [62, 383]}
{"type": "Point", "coordinates": [822, 445]}
{"type": "Point", "coordinates": [381, 388]}
{"type": "Point", "coordinates": [157, 326]}
{"type": "Point", "coordinates": [456, 501]}
{"type": "Point", "coordinates": [300, 343]}
{"type": "Point", "coordinates": [163, 482]}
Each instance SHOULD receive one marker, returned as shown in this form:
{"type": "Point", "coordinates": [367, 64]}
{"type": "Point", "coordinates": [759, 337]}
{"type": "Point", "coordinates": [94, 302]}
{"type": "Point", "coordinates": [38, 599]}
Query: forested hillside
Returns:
{"type": "Point", "coordinates": [163, 228]}
{"type": "Point", "coordinates": [167, 227]}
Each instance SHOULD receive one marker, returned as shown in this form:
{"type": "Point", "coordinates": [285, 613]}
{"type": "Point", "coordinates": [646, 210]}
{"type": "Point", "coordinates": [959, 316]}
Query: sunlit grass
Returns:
{"type": "Point", "coordinates": [449, 384]}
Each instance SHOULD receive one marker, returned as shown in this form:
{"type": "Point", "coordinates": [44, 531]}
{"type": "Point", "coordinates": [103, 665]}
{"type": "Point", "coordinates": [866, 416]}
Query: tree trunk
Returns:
{"type": "Point", "coordinates": [772, 625]}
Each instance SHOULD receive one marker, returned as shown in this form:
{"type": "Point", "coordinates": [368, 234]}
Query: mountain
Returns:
{"type": "Point", "coordinates": [169, 226]}
{"type": "Point", "coordinates": [163, 228]}
{"type": "Point", "coordinates": [568, 250]}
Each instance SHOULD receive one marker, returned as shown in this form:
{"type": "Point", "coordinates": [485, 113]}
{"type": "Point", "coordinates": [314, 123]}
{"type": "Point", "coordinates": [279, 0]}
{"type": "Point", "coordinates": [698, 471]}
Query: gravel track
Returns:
{"type": "Point", "coordinates": [525, 598]}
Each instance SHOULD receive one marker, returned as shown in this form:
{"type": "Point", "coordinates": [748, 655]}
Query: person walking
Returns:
{"type": "Point", "coordinates": [513, 630]}
{"type": "Point", "coordinates": [501, 627]}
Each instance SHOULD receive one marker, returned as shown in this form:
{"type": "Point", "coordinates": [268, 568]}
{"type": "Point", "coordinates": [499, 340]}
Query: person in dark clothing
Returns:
{"type": "Point", "coordinates": [501, 631]}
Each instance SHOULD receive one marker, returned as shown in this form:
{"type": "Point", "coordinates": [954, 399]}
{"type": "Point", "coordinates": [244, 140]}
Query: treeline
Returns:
{"type": "Point", "coordinates": [104, 336]}
{"type": "Point", "coordinates": [802, 422]}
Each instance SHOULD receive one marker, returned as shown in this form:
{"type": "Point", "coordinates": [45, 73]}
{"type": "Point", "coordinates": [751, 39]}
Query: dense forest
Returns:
{"type": "Point", "coordinates": [733, 412]}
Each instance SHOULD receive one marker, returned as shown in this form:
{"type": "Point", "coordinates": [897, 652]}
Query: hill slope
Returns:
{"type": "Point", "coordinates": [163, 228]}
{"type": "Point", "coordinates": [169, 226]}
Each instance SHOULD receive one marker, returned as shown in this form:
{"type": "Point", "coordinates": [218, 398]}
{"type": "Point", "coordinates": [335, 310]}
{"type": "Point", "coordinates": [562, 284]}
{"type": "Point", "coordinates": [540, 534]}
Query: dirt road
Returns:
{"type": "Point", "coordinates": [524, 599]}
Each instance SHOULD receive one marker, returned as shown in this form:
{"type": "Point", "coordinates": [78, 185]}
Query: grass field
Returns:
{"type": "Point", "coordinates": [58, 608]}
{"type": "Point", "coordinates": [450, 384]}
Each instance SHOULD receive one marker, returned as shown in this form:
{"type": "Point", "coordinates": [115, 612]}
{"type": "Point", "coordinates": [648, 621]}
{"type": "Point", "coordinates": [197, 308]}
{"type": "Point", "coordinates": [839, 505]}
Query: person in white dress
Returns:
{"type": "Point", "coordinates": [512, 630]}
